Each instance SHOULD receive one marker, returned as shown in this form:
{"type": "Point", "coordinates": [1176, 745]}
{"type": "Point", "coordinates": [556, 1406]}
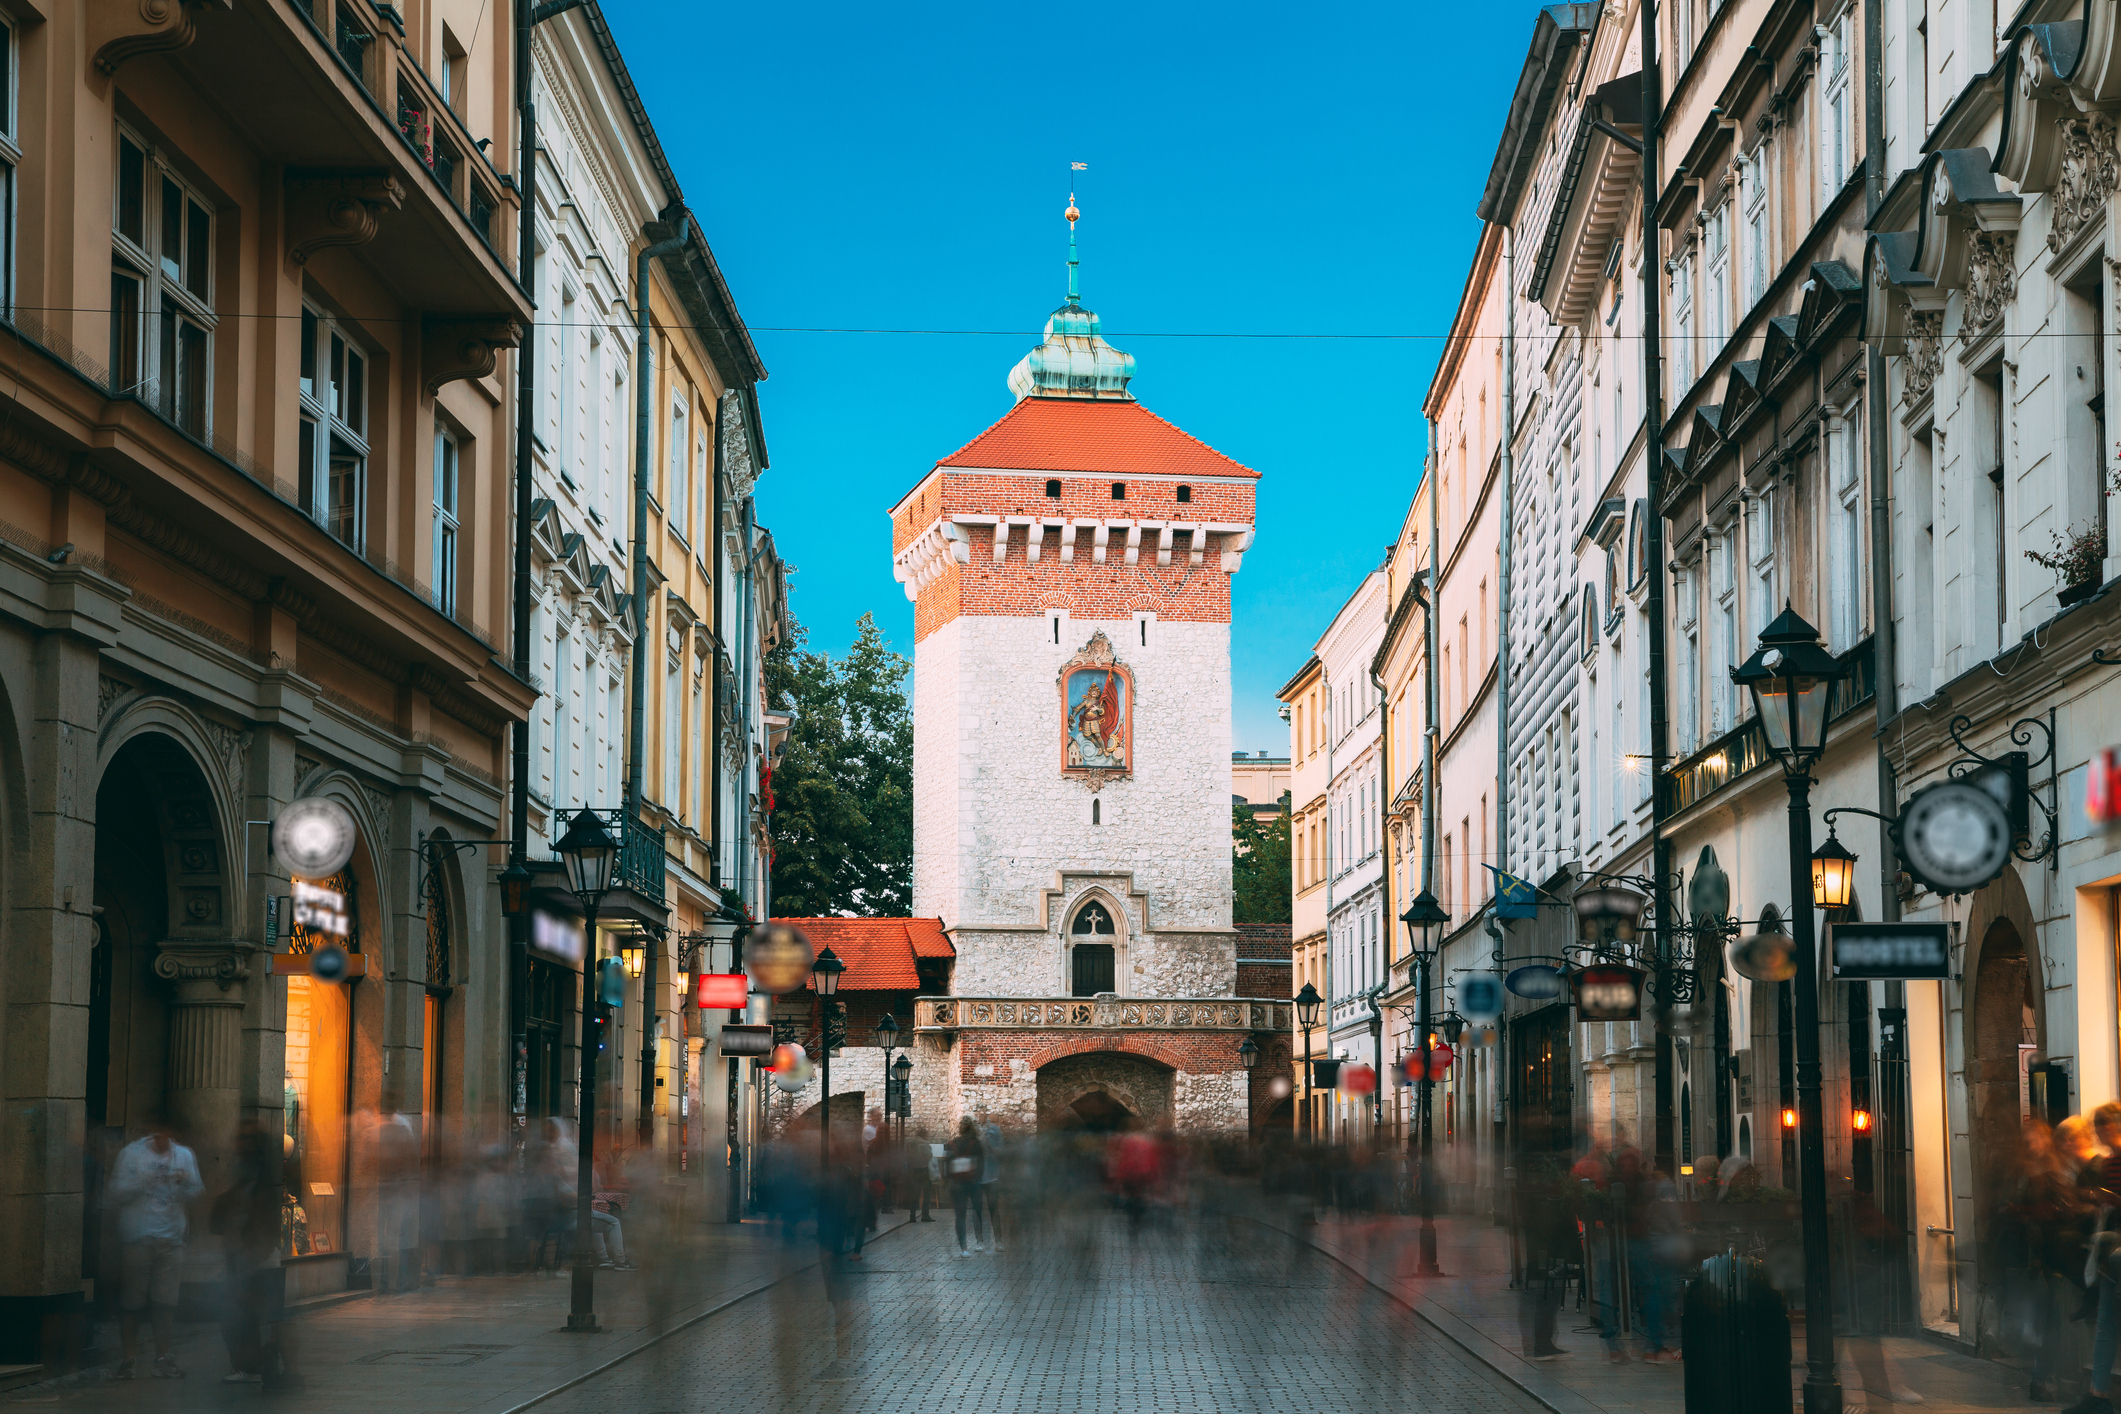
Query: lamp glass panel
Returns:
{"type": "Point", "coordinates": [1810, 696]}
{"type": "Point", "coordinates": [1770, 699]}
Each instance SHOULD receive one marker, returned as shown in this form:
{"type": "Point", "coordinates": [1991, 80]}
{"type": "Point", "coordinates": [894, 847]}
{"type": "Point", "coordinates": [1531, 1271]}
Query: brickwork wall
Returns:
{"type": "Point", "coordinates": [1143, 1086]}
{"type": "Point", "coordinates": [1263, 940]}
{"type": "Point", "coordinates": [986, 694]}
{"type": "Point", "coordinates": [1002, 1074]}
{"type": "Point", "coordinates": [1081, 498]}
{"type": "Point", "coordinates": [1176, 592]}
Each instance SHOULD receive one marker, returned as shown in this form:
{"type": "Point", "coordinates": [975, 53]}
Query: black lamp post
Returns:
{"type": "Point", "coordinates": [515, 883]}
{"type": "Point", "coordinates": [1792, 682]}
{"type": "Point", "coordinates": [1307, 1003]}
{"type": "Point", "coordinates": [591, 854]}
{"type": "Point", "coordinates": [887, 1039]}
{"type": "Point", "coordinates": [902, 1068]}
{"type": "Point", "coordinates": [825, 976]}
{"type": "Point", "coordinates": [1423, 918]}
{"type": "Point", "coordinates": [1248, 1056]}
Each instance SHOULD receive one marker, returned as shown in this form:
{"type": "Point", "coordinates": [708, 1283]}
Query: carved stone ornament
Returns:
{"type": "Point", "coordinates": [336, 208]}
{"type": "Point", "coordinates": [218, 963]}
{"type": "Point", "coordinates": [1924, 357]}
{"type": "Point", "coordinates": [2091, 170]}
{"type": "Point", "coordinates": [1991, 280]}
{"type": "Point", "coordinates": [1097, 714]}
{"type": "Point", "coordinates": [121, 30]}
{"type": "Point", "coordinates": [454, 346]}
{"type": "Point", "coordinates": [736, 447]}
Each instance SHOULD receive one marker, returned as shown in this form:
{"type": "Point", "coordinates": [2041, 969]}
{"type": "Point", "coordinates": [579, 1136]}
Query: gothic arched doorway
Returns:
{"type": "Point", "coordinates": [2001, 1027]}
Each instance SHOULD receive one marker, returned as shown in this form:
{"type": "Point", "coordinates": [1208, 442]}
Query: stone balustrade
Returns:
{"type": "Point", "coordinates": [1106, 1011]}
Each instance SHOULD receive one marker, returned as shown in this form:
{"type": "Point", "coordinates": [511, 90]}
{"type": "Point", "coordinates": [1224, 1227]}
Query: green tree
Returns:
{"type": "Point", "coordinates": [1259, 866]}
{"type": "Point", "coordinates": [843, 792]}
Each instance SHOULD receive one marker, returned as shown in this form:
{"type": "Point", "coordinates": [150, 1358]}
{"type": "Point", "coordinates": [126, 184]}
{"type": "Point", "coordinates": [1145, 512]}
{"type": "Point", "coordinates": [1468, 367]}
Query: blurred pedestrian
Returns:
{"type": "Point", "coordinates": [2104, 1190]}
{"type": "Point", "coordinates": [608, 1198]}
{"type": "Point", "coordinates": [246, 1216]}
{"type": "Point", "coordinates": [919, 1162]}
{"type": "Point", "coordinates": [2051, 1219]}
{"type": "Point", "coordinates": [1552, 1249]}
{"type": "Point", "coordinates": [150, 1184]}
{"type": "Point", "coordinates": [963, 1163]}
{"type": "Point", "coordinates": [990, 1182]}
{"type": "Point", "coordinates": [398, 1202]}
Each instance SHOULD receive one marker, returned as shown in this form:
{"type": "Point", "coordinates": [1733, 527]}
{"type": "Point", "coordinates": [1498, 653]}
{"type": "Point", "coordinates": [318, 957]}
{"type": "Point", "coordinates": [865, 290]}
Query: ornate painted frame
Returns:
{"type": "Point", "coordinates": [1096, 654]}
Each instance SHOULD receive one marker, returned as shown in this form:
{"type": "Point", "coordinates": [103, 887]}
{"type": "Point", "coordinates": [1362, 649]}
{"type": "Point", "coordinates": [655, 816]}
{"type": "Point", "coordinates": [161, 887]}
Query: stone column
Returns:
{"type": "Point", "coordinates": [203, 1082]}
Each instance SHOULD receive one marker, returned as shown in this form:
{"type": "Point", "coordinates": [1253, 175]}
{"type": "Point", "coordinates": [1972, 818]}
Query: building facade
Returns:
{"type": "Point", "coordinates": [1303, 700]}
{"type": "Point", "coordinates": [1358, 913]}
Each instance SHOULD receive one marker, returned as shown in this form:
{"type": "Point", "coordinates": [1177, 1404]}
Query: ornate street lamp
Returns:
{"type": "Point", "coordinates": [825, 973]}
{"type": "Point", "coordinates": [1248, 1056]}
{"type": "Point", "coordinates": [1425, 920]}
{"type": "Point", "coordinates": [515, 890]}
{"type": "Point", "coordinates": [1307, 1003]}
{"type": "Point", "coordinates": [1791, 678]}
{"type": "Point", "coordinates": [1833, 873]}
{"type": "Point", "coordinates": [590, 853]}
{"type": "Point", "coordinates": [887, 1041]}
{"type": "Point", "coordinates": [633, 955]}
{"type": "Point", "coordinates": [903, 1069]}
{"type": "Point", "coordinates": [1606, 911]}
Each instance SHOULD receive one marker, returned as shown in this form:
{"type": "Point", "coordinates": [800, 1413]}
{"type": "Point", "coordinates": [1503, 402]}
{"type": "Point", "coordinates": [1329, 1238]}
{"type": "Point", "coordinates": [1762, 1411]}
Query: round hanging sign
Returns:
{"type": "Point", "coordinates": [1954, 837]}
{"type": "Point", "coordinates": [1480, 997]}
{"type": "Point", "coordinates": [1765, 957]}
{"type": "Point", "coordinates": [1358, 1080]}
{"type": "Point", "coordinates": [1608, 993]}
{"type": "Point", "coordinates": [313, 837]}
{"type": "Point", "coordinates": [778, 957]}
{"type": "Point", "coordinates": [791, 1067]}
{"type": "Point", "coordinates": [1536, 982]}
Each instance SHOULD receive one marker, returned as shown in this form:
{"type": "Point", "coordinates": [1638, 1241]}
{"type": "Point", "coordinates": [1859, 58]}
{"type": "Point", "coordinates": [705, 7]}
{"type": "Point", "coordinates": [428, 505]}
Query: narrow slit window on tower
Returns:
{"type": "Point", "coordinates": [1053, 489]}
{"type": "Point", "coordinates": [1096, 812]}
{"type": "Point", "coordinates": [1119, 490]}
{"type": "Point", "coordinates": [1185, 495]}
{"type": "Point", "coordinates": [1144, 626]}
{"type": "Point", "coordinates": [1056, 628]}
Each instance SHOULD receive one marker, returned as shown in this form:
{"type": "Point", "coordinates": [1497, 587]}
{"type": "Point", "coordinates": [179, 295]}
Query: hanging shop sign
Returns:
{"type": "Point", "coordinates": [791, 1067]}
{"type": "Point", "coordinates": [561, 939]}
{"type": "Point", "coordinates": [1325, 1074]}
{"type": "Point", "coordinates": [1440, 1058]}
{"type": "Point", "coordinates": [1955, 836]}
{"type": "Point", "coordinates": [1608, 992]}
{"type": "Point", "coordinates": [1358, 1080]}
{"type": "Point", "coordinates": [730, 990]}
{"type": "Point", "coordinates": [747, 1040]}
{"type": "Point", "coordinates": [1765, 957]}
{"type": "Point", "coordinates": [313, 836]}
{"type": "Point", "coordinates": [1480, 997]}
{"type": "Point", "coordinates": [1536, 982]}
{"type": "Point", "coordinates": [778, 958]}
{"type": "Point", "coordinates": [1891, 952]}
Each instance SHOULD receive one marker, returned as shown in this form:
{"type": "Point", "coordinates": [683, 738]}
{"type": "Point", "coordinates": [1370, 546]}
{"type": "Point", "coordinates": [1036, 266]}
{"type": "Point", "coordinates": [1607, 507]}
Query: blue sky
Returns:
{"type": "Point", "coordinates": [1252, 170]}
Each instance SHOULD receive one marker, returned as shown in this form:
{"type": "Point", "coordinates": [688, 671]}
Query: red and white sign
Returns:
{"type": "Point", "coordinates": [1440, 1058]}
{"type": "Point", "coordinates": [1358, 1080]}
{"type": "Point", "coordinates": [722, 989]}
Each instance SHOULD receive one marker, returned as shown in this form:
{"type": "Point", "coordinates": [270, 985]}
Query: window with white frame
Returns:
{"type": "Point", "coordinates": [1717, 313]}
{"type": "Point", "coordinates": [1845, 510]}
{"type": "Point", "coordinates": [444, 569]}
{"type": "Point", "coordinates": [1835, 137]}
{"type": "Point", "coordinates": [10, 159]}
{"type": "Point", "coordinates": [680, 454]}
{"type": "Point", "coordinates": [1687, 610]}
{"type": "Point", "coordinates": [331, 456]}
{"type": "Point", "coordinates": [1682, 270]}
{"type": "Point", "coordinates": [1756, 225]}
{"type": "Point", "coordinates": [673, 732]}
{"type": "Point", "coordinates": [1723, 591]}
{"type": "Point", "coordinates": [1763, 603]}
{"type": "Point", "coordinates": [161, 288]}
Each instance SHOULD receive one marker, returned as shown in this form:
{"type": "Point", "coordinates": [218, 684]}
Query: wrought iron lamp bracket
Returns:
{"type": "Point", "coordinates": [2021, 764]}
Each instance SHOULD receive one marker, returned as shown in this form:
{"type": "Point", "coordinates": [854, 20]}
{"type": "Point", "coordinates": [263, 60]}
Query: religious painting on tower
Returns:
{"type": "Point", "coordinates": [1097, 701]}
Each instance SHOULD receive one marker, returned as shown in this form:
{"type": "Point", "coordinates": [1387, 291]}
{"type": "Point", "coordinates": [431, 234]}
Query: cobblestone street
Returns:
{"type": "Point", "coordinates": [1190, 1317]}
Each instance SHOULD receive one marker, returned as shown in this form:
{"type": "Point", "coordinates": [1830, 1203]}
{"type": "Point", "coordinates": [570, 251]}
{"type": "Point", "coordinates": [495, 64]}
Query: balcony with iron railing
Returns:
{"type": "Point", "coordinates": [640, 870]}
{"type": "Point", "coordinates": [1744, 748]}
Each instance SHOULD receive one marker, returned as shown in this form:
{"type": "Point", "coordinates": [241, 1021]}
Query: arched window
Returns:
{"type": "Point", "coordinates": [1638, 546]}
{"type": "Point", "coordinates": [1185, 495]}
{"type": "Point", "coordinates": [1053, 489]}
{"type": "Point", "coordinates": [1092, 961]}
{"type": "Point", "coordinates": [1590, 621]}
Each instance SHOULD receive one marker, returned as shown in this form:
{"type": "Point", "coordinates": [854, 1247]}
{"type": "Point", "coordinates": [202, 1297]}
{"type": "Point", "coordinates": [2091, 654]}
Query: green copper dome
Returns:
{"type": "Point", "coordinates": [1075, 361]}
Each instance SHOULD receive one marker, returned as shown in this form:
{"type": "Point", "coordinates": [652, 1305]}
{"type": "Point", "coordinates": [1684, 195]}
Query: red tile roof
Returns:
{"type": "Point", "coordinates": [879, 952]}
{"type": "Point", "coordinates": [1076, 434]}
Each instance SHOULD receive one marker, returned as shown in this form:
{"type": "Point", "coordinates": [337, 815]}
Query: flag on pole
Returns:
{"type": "Point", "coordinates": [1514, 897]}
{"type": "Point", "coordinates": [1078, 166]}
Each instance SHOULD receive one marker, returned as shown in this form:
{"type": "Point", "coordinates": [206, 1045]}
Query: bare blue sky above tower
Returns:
{"type": "Point", "coordinates": [1253, 170]}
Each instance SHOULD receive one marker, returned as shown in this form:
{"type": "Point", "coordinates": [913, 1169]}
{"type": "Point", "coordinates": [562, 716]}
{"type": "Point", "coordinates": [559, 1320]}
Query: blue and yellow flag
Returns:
{"type": "Point", "coordinates": [1514, 897]}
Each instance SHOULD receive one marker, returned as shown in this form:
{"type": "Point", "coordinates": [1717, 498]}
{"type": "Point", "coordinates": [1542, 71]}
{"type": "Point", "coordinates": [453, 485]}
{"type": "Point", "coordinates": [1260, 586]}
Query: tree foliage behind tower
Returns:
{"type": "Point", "coordinates": [1259, 867]}
{"type": "Point", "coordinates": [843, 792]}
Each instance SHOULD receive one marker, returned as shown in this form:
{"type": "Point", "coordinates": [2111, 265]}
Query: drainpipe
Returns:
{"type": "Point", "coordinates": [644, 392]}
{"type": "Point", "coordinates": [1653, 481]}
{"type": "Point", "coordinates": [746, 617]}
{"type": "Point", "coordinates": [1505, 495]}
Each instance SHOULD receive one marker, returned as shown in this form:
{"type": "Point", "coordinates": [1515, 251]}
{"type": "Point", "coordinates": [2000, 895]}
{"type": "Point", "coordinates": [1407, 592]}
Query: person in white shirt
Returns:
{"type": "Point", "coordinates": [150, 1184]}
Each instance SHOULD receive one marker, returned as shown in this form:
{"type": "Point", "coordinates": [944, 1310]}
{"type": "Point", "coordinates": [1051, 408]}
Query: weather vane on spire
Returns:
{"type": "Point", "coordinates": [1073, 216]}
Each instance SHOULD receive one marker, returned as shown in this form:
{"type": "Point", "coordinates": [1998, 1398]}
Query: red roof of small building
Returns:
{"type": "Point", "coordinates": [879, 952]}
{"type": "Point", "coordinates": [1079, 434]}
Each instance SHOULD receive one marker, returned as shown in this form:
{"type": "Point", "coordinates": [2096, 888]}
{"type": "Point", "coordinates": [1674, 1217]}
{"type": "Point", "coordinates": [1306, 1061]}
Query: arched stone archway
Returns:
{"type": "Point", "coordinates": [1081, 1090]}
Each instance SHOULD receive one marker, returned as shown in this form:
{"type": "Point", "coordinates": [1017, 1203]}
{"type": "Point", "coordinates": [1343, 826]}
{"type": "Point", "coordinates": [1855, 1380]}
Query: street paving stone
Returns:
{"type": "Point", "coordinates": [1086, 1315]}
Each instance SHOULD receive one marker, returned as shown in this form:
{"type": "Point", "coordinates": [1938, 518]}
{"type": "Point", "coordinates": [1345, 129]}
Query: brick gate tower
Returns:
{"type": "Point", "coordinates": [1070, 568]}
